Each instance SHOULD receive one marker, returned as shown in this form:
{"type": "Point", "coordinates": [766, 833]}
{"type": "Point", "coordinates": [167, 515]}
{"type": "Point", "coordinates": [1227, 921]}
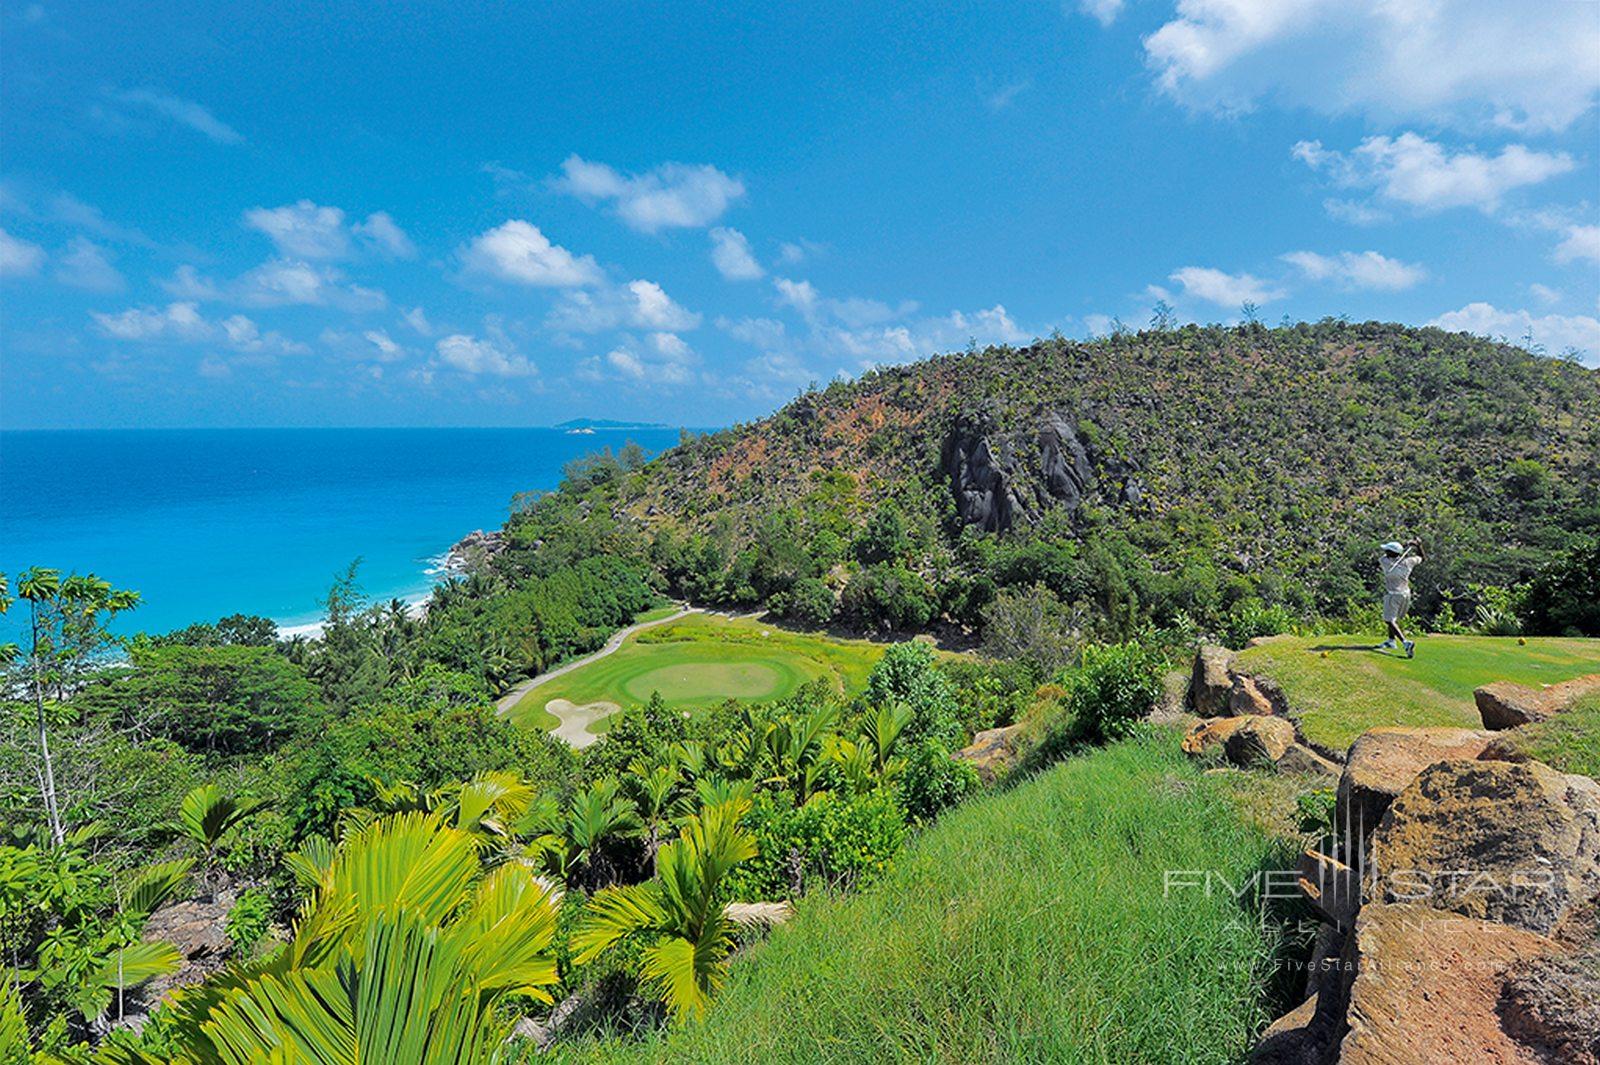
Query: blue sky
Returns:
{"type": "Point", "coordinates": [475, 214]}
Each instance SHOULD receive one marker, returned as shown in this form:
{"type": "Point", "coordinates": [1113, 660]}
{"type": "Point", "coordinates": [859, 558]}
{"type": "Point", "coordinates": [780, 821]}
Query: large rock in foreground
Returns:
{"type": "Point", "coordinates": [1384, 761]}
{"type": "Point", "coordinates": [1517, 843]}
{"type": "Point", "coordinates": [1504, 705]}
{"type": "Point", "coordinates": [1428, 986]}
{"type": "Point", "coordinates": [1246, 740]}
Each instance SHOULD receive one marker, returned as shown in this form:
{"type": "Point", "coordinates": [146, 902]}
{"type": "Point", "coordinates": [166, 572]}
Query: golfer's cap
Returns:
{"type": "Point", "coordinates": [1394, 547]}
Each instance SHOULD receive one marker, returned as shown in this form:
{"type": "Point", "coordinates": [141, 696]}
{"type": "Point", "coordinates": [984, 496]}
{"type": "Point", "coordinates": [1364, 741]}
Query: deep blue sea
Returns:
{"type": "Point", "coordinates": [207, 522]}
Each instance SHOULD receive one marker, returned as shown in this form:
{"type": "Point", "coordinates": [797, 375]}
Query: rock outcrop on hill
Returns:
{"type": "Point", "coordinates": [999, 479]}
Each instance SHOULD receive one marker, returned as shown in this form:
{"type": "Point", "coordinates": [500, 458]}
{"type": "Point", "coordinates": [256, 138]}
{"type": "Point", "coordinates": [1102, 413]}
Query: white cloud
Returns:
{"type": "Point", "coordinates": [1423, 174]}
{"type": "Point", "coordinates": [388, 350]}
{"type": "Point", "coordinates": [1544, 293]}
{"type": "Point", "coordinates": [1468, 63]}
{"type": "Point", "coordinates": [476, 357]}
{"type": "Point", "coordinates": [1224, 289]}
{"type": "Point", "coordinates": [516, 251]}
{"type": "Point", "coordinates": [19, 258]}
{"type": "Point", "coordinates": [731, 255]}
{"type": "Point", "coordinates": [87, 265]}
{"type": "Point", "coordinates": [801, 295]}
{"type": "Point", "coordinates": [182, 321]}
{"type": "Point", "coordinates": [187, 283]}
{"type": "Point", "coordinates": [418, 321]}
{"type": "Point", "coordinates": [302, 229]}
{"type": "Point", "coordinates": [184, 112]}
{"type": "Point", "coordinates": [280, 282]}
{"type": "Point", "coordinates": [1553, 332]}
{"type": "Point", "coordinates": [1581, 242]}
{"type": "Point", "coordinates": [382, 233]}
{"type": "Point", "coordinates": [670, 196]}
{"type": "Point", "coordinates": [637, 305]}
{"type": "Point", "coordinates": [68, 209]}
{"type": "Point", "coordinates": [1358, 270]}
{"type": "Point", "coordinates": [1105, 11]}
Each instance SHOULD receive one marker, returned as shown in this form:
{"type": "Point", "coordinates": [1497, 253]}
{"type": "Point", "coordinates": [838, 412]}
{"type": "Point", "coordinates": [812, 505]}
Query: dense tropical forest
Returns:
{"type": "Point", "coordinates": [400, 869]}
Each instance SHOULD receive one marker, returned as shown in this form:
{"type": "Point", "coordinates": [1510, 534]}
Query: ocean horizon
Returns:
{"type": "Point", "coordinates": [209, 522]}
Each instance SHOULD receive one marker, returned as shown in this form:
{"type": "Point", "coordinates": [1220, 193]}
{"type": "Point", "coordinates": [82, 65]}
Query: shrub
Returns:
{"type": "Point", "coordinates": [1250, 618]}
{"type": "Point", "coordinates": [247, 921]}
{"type": "Point", "coordinates": [906, 674]}
{"type": "Point", "coordinates": [932, 781]}
{"type": "Point", "coordinates": [1113, 688]}
{"type": "Point", "coordinates": [1564, 597]}
{"type": "Point", "coordinates": [832, 841]}
{"type": "Point", "coordinates": [809, 601]}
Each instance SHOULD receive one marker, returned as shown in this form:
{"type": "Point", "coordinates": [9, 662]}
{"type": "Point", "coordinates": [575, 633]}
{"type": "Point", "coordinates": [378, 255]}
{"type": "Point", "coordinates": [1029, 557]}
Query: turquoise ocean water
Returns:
{"type": "Point", "coordinates": [211, 522]}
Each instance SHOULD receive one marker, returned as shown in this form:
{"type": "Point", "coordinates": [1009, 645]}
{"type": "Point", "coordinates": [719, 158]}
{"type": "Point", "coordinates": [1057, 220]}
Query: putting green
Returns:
{"type": "Point", "coordinates": [699, 661]}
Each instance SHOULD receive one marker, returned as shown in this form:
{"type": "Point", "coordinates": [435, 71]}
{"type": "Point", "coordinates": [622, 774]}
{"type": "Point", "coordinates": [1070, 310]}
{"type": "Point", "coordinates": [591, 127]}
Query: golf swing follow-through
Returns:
{"type": "Point", "coordinates": [1396, 564]}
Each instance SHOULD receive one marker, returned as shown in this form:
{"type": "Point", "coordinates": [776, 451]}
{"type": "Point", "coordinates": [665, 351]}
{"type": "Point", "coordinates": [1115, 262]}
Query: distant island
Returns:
{"type": "Point", "coordinates": [578, 425]}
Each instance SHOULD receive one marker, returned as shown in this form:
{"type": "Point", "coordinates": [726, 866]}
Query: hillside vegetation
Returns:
{"type": "Point", "coordinates": [1144, 477]}
{"type": "Point", "coordinates": [1031, 925]}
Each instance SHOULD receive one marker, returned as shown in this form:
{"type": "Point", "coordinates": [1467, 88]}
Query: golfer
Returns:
{"type": "Point", "coordinates": [1396, 565]}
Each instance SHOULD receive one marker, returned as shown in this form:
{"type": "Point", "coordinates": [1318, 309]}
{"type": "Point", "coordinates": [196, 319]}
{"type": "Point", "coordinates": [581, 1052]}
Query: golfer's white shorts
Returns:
{"type": "Point", "coordinates": [1395, 605]}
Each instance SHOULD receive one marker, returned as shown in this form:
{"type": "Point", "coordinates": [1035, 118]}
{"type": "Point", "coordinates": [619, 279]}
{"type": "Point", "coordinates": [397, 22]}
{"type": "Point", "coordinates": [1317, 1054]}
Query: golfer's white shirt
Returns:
{"type": "Point", "coordinates": [1397, 574]}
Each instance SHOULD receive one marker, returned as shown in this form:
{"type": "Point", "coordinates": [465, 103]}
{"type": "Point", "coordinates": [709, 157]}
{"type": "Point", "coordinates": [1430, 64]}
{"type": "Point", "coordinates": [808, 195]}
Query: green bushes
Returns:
{"type": "Point", "coordinates": [248, 920]}
{"type": "Point", "coordinates": [833, 841]}
{"type": "Point", "coordinates": [1563, 599]}
{"type": "Point", "coordinates": [1113, 687]}
{"type": "Point", "coordinates": [1250, 617]}
{"type": "Point", "coordinates": [1031, 925]}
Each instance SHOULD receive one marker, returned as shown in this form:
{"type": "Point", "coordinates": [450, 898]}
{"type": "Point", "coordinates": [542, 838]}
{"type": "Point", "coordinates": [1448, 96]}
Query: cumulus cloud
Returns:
{"type": "Point", "coordinates": [302, 229]}
{"type": "Point", "coordinates": [483, 357]}
{"type": "Point", "coordinates": [1424, 175]}
{"type": "Point", "coordinates": [1224, 289]}
{"type": "Point", "coordinates": [637, 305]}
{"type": "Point", "coordinates": [184, 112]}
{"type": "Point", "coordinates": [1468, 63]}
{"type": "Point", "coordinates": [182, 321]}
{"type": "Point", "coordinates": [670, 196]}
{"type": "Point", "coordinates": [731, 255]}
{"type": "Point", "coordinates": [287, 282]}
{"type": "Point", "coordinates": [18, 257]}
{"type": "Point", "coordinates": [517, 251]}
{"type": "Point", "coordinates": [418, 321]}
{"type": "Point", "coordinates": [1554, 333]}
{"type": "Point", "coordinates": [87, 265]}
{"type": "Point", "coordinates": [1580, 242]}
{"type": "Point", "coordinates": [1358, 270]}
{"type": "Point", "coordinates": [306, 230]}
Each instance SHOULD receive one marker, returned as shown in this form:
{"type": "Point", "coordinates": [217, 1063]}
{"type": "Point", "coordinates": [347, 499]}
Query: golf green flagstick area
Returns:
{"type": "Point", "coordinates": [697, 661]}
{"type": "Point", "coordinates": [1341, 686]}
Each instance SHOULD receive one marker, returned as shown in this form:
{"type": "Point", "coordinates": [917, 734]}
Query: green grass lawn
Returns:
{"type": "Point", "coordinates": [1340, 687]}
{"type": "Point", "coordinates": [701, 660]}
{"type": "Point", "coordinates": [1030, 925]}
{"type": "Point", "coordinates": [1570, 742]}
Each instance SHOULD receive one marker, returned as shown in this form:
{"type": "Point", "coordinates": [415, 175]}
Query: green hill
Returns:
{"type": "Point", "coordinates": [1147, 476]}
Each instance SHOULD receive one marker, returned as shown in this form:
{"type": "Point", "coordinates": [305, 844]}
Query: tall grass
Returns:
{"type": "Point", "coordinates": [1029, 925]}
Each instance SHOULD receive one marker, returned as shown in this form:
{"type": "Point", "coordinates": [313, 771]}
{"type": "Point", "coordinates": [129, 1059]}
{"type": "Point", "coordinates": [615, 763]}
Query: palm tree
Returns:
{"type": "Point", "coordinates": [205, 816]}
{"type": "Point", "coordinates": [655, 799]}
{"type": "Point", "coordinates": [574, 843]}
{"type": "Point", "coordinates": [403, 955]}
{"type": "Point", "coordinates": [680, 918]}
